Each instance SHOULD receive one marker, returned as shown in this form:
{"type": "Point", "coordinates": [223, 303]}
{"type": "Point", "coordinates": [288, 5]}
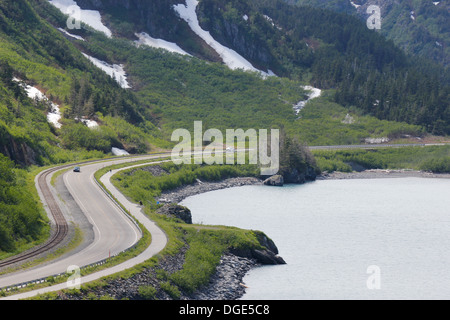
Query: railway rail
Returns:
{"type": "Point", "coordinates": [61, 226]}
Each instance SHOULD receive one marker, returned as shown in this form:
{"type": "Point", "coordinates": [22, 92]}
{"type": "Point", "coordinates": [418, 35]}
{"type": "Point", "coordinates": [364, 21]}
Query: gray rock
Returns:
{"type": "Point", "coordinates": [296, 177]}
{"type": "Point", "coordinates": [266, 242]}
{"type": "Point", "coordinates": [267, 257]}
{"type": "Point", "coordinates": [276, 180]}
{"type": "Point", "coordinates": [177, 211]}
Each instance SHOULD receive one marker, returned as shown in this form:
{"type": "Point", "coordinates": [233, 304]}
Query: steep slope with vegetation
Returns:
{"type": "Point", "coordinates": [419, 27]}
{"type": "Point", "coordinates": [21, 219]}
{"type": "Point", "coordinates": [35, 52]}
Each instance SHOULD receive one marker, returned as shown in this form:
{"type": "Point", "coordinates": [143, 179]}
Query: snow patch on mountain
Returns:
{"type": "Point", "coordinates": [71, 35]}
{"type": "Point", "coordinates": [147, 40]}
{"type": "Point", "coordinates": [269, 19]}
{"type": "Point", "coordinates": [115, 71]}
{"type": "Point", "coordinates": [90, 17]}
{"type": "Point", "coordinates": [230, 57]}
{"type": "Point", "coordinates": [54, 115]}
{"type": "Point", "coordinates": [376, 140]}
{"type": "Point", "coordinates": [313, 94]}
{"type": "Point", "coordinates": [355, 5]}
{"type": "Point", "coordinates": [119, 152]}
{"type": "Point", "coordinates": [90, 123]}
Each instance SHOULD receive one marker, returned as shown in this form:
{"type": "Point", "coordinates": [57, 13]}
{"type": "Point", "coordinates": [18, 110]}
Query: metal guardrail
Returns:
{"type": "Point", "coordinates": [55, 276]}
{"type": "Point", "coordinates": [59, 275]}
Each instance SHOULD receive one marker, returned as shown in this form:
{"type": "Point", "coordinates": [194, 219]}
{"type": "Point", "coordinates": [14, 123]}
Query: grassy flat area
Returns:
{"type": "Point", "coordinates": [429, 158]}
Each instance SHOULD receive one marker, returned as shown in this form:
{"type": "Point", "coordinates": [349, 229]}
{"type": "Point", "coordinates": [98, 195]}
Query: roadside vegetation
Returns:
{"type": "Point", "coordinates": [22, 222]}
{"type": "Point", "coordinates": [204, 250]}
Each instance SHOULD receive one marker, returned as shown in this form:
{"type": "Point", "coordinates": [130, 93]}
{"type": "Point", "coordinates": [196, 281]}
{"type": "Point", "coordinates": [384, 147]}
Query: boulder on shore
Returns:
{"type": "Point", "coordinates": [276, 180]}
{"type": "Point", "coordinates": [291, 176]}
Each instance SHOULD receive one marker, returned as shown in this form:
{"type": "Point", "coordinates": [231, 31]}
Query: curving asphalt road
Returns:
{"type": "Point", "coordinates": [114, 232]}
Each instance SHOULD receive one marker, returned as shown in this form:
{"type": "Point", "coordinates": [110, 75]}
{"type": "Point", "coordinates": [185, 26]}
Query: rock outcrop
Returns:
{"type": "Point", "coordinates": [267, 254]}
{"type": "Point", "coordinates": [296, 163]}
{"type": "Point", "coordinates": [267, 257]}
{"type": "Point", "coordinates": [295, 176]}
{"type": "Point", "coordinates": [20, 152]}
{"type": "Point", "coordinates": [176, 211]}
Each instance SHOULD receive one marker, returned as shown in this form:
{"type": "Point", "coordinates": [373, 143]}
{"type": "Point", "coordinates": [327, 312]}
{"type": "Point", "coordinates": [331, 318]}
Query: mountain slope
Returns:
{"type": "Point", "coordinates": [39, 69]}
{"type": "Point", "coordinates": [366, 70]}
{"type": "Point", "coordinates": [419, 27]}
{"type": "Point", "coordinates": [46, 60]}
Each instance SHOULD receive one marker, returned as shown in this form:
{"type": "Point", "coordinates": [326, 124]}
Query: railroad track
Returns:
{"type": "Point", "coordinates": [61, 226]}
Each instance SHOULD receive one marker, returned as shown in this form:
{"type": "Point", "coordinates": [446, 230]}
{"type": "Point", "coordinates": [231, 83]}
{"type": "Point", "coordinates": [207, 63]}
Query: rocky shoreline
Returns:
{"type": "Point", "coordinates": [225, 284]}
{"type": "Point", "coordinates": [179, 194]}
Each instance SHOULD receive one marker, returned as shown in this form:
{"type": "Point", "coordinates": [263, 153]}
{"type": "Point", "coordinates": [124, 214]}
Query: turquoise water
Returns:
{"type": "Point", "coordinates": [343, 239]}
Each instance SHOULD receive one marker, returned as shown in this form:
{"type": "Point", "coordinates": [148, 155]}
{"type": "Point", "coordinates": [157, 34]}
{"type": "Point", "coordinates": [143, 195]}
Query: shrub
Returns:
{"type": "Point", "coordinates": [436, 165]}
{"type": "Point", "coordinates": [171, 290]}
{"type": "Point", "coordinates": [78, 136]}
{"type": "Point", "coordinates": [332, 165]}
{"type": "Point", "coordinates": [147, 292]}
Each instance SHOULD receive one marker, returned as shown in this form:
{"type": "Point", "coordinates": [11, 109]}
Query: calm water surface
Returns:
{"type": "Point", "coordinates": [332, 232]}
